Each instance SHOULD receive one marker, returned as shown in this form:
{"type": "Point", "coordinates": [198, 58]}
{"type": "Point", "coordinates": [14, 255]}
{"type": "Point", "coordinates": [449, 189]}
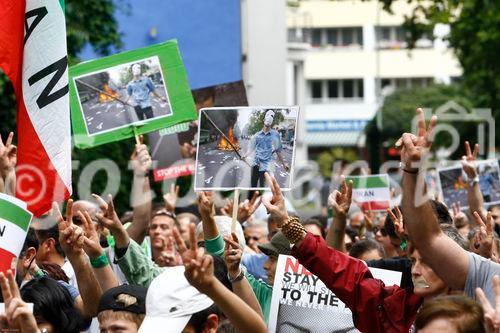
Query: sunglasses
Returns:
{"type": "Point", "coordinates": [254, 238]}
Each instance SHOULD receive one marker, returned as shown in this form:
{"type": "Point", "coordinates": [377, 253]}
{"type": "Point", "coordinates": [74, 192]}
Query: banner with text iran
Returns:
{"type": "Point", "coordinates": [33, 54]}
{"type": "Point", "coordinates": [371, 192]}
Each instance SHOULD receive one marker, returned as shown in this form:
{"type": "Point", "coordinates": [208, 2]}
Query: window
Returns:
{"type": "Point", "coordinates": [394, 37]}
{"type": "Point", "coordinates": [337, 89]}
{"type": "Point", "coordinates": [316, 37]}
{"type": "Point", "coordinates": [347, 36]}
{"type": "Point", "coordinates": [332, 37]}
{"type": "Point", "coordinates": [316, 89]}
{"type": "Point", "coordinates": [348, 88]}
{"type": "Point", "coordinates": [333, 88]}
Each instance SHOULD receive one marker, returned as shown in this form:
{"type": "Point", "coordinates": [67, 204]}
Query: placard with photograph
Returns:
{"type": "Point", "coordinates": [453, 181]}
{"type": "Point", "coordinates": [173, 149]}
{"type": "Point", "coordinates": [236, 146]}
{"type": "Point", "coordinates": [129, 93]}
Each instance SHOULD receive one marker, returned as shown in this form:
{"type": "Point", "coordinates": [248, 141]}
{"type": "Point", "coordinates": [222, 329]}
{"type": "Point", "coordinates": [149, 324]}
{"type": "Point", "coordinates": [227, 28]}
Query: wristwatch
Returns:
{"type": "Point", "coordinates": [238, 277]}
{"type": "Point", "coordinates": [474, 181]}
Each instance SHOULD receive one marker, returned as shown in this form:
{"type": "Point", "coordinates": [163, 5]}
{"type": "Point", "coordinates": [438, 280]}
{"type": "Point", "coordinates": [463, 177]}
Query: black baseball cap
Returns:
{"type": "Point", "coordinates": [110, 299]}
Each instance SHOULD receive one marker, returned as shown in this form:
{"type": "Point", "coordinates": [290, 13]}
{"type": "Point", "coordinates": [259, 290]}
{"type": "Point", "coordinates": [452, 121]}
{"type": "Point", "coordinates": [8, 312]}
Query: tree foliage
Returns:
{"type": "Point", "coordinates": [398, 111]}
{"type": "Point", "coordinates": [256, 121]}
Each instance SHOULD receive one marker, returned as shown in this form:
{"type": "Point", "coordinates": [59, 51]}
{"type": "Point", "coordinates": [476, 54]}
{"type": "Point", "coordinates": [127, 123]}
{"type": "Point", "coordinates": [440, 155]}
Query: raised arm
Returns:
{"type": "Point", "coordinates": [8, 161]}
{"type": "Point", "coordinates": [241, 286]}
{"type": "Point", "coordinates": [141, 192]}
{"type": "Point", "coordinates": [98, 258]}
{"type": "Point", "coordinates": [474, 196]}
{"type": "Point", "coordinates": [207, 212]}
{"type": "Point", "coordinates": [71, 238]}
{"type": "Point", "coordinates": [443, 255]}
{"type": "Point", "coordinates": [135, 264]}
{"type": "Point", "coordinates": [340, 202]}
{"type": "Point", "coordinates": [200, 274]}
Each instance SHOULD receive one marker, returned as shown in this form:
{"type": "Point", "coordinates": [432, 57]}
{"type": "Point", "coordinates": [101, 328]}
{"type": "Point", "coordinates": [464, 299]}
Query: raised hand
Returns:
{"type": "Point", "coordinates": [491, 313]}
{"type": "Point", "coordinates": [469, 160]}
{"type": "Point", "coordinates": [245, 209]}
{"type": "Point", "coordinates": [232, 255]}
{"type": "Point", "coordinates": [199, 267]}
{"type": "Point", "coordinates": [369, 217]}
{"type": "Point", "coordinates": [109, 219]}
{"type": "Point", "coordinates": [341, 201]}
{"type": "Point", "coordinates": [413, 147]}
{"type": "Point", "coordinates": [275, 206]}
{"type": "Point", "coordinates": [206, 205]}
{"type": "Point", "coordinates": [140, 159]}
{"type": "Point", "coordinates": [170, 198]}
{"type": "Point", "coordinates": [187, 253]}
{"type": "Point", "coordinates": [8, 156]}
{"type": "Point", "coordinates": [71, 236]}
{"type": "Point", "coordinates": [398, 221]}
{"type": "Point", "coordinates": [484, 237]}
{"type": "Point", "coordinates": [459, 217]}
{"type": "Point", "coordinates": [91, 244]}
{"type": "Point", "coordinates": [17, 313]}
{"type": "Point", "coordinates": [168, 256]}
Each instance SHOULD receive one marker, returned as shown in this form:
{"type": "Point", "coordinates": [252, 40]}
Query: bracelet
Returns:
{"type": "Point", "coordinates": [293, 230]}
{"type": "Point", "coordinates": [413, 172]}
{"type": "Point", "coordinates": [101, 261]}
{"type": "Point", "coordinates": [239, 277]}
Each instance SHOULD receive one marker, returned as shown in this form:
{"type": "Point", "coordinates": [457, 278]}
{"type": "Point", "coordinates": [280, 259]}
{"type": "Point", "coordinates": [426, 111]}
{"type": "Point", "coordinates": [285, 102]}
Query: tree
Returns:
{"type": "Point", "coordinates": [398, 111]}
{"type": "Point", "coordinates": [474, 36]}
{"type": "Point", "coordinates": [256, 121]}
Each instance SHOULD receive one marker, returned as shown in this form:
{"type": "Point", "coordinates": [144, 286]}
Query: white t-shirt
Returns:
{"type": "Point", "coordinates": [480, 275]}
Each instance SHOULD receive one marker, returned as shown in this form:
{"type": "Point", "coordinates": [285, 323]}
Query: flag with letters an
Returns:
{"type": "Point", "coordinates": [15, 220]}
{"type": "Point", "coordinates": [33, 55]}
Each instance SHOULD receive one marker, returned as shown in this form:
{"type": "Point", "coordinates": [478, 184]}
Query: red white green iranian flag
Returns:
{"type": "Point", "coordinates": [33, 55]}
{"type": "Point", "coordinates": [371, 192]}
{"type": "Point", "coordinates": [15, 220]}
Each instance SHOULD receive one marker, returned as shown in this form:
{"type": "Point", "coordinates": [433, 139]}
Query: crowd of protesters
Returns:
{"type": "Point", "coordinates": [158, 270]}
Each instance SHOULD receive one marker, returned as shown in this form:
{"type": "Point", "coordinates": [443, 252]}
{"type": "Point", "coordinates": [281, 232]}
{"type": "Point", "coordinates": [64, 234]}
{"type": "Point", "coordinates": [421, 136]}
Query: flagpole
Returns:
{"type": "Point", "coordinates": [236, 203]}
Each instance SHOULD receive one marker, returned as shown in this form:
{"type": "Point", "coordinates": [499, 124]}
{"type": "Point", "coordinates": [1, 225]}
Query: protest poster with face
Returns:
{"type": "Point", "coordinates": [301, 302]}
{"type": "Point", "coordinates": [129, 93]}
{"type": "Point", "coordinates": [15, 220]}
{"type": "Point", "coordinates": [371, 192]}
{"type": "Point", "coordinates": [238, 145]}
{"type": "Point", "coordinates": [173, 149]}
{"type": "Point", "coordinates": [453, 182]}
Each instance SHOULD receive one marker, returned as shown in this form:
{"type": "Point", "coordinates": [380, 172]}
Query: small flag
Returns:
{"type": "Point", "coordinates": [34, 57]}
{"type": "Point", "coordinates": [371, 192]}
{"type": "Point", "coordinates": [15, 220]}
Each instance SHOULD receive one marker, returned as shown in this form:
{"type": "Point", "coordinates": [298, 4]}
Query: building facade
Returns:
{"type": "Point", "coordinates": [352, 54]}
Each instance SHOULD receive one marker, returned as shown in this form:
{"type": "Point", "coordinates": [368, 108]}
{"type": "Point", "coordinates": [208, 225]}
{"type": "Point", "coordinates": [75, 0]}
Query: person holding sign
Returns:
{"type": "Point", "coordinates": [265, 143]}
{"type": "Point", "coordinates": [140, 90]}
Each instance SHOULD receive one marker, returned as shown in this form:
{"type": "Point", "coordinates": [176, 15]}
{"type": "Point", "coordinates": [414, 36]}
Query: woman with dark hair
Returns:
{"type": "Point", "coordinates": [52, 306]}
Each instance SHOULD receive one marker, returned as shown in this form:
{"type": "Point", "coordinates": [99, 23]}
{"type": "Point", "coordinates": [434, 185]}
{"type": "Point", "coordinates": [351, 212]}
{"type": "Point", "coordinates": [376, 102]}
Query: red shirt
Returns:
{"type": "Point", "coordinates": [375, 307]}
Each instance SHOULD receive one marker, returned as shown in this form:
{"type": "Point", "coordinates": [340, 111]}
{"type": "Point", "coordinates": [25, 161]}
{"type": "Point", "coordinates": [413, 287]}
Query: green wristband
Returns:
{"type": "Point", "coordinates": [101, 261]}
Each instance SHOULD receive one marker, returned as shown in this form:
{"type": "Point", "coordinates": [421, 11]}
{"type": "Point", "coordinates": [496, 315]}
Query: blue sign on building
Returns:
{"type": "Point", "coordinates": [208, 32]}
{"type": "Point", "coordinates": [336, 125]}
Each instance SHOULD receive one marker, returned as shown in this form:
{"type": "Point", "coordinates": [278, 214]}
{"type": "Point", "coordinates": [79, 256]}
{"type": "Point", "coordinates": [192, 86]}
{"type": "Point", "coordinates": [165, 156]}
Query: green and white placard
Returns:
{"type": "Point", "coordinates": [129, 93]}
{"type": "Point", "coordinates": [15, 220]}
{"type": "Point", "coordinates": [371, 192]}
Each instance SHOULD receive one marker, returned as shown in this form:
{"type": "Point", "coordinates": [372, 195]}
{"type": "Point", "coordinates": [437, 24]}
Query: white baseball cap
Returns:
{"type": "Point", "coordinates": [171, 301]}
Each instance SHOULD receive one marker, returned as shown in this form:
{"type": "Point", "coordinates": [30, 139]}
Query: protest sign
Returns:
{"type": "Point", "coordinates": [452, 183]}
{"type": "Point", "coordinates": [301, 302]}
{"type": "Point", "coordinates": [371, 192]}
{"type": "Point", "coordinates": [129, 93]}
{"type": "Point", "coordinates": [15, 220]}
{"type": "Point", "coordinates": [173, 149]}
{"type": "Point", "coordinates": [237, 145]}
